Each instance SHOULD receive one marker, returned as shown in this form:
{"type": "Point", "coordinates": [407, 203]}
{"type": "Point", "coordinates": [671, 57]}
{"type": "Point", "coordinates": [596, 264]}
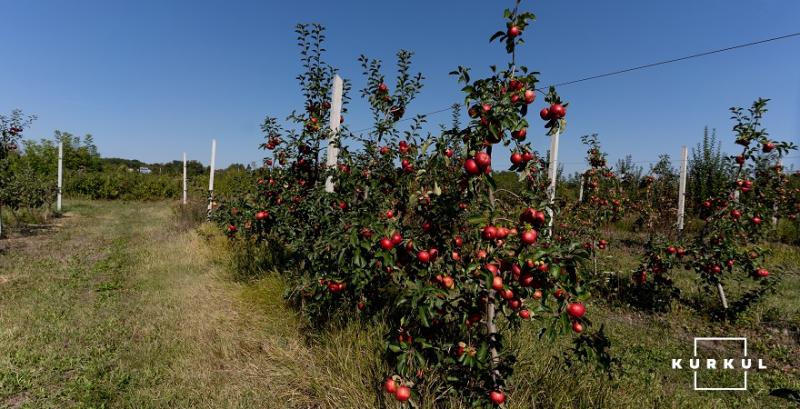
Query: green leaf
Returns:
{"type": "Point", "coordinates": [496, 35]}
{"type": "Point", "coordinates": [423, 318]}
{"type": "Point", "coordinates": [478, 220]}
{"type": "Point", "coordinates": [555, 270]}
{"type": "Point", "coordinates": [483, 352]}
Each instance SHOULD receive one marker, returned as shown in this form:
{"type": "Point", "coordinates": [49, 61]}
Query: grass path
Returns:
{"type": "Point", "coordinates": [119, 309]}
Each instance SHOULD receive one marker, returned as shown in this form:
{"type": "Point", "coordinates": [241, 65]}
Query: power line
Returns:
{"type": "Point", "coordinates": [636, 68]}
{"type": "Point", "coordinates": [688, 57]}
{"type": "Point", "coordinates": [410, 118]}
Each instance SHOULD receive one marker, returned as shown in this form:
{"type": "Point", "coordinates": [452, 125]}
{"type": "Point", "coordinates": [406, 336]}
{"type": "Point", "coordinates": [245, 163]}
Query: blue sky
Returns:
{"type": "Point", "coordinates": [152, 79]}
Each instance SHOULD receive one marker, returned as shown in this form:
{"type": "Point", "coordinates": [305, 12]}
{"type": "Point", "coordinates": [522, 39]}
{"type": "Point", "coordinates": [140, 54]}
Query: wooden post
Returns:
{"type": "Point", "coordinates": [211, 177]}
{"type": "Point", "coordinates": [682, 188]}
{"type": "Point", "coordinates": [60, 174]}
{"type": "Point", "coordinates": [553, 174]}
{"type": "Point", "coordinates": [335, 119]}
{"type": "Point", "coordinates": [184, 178]}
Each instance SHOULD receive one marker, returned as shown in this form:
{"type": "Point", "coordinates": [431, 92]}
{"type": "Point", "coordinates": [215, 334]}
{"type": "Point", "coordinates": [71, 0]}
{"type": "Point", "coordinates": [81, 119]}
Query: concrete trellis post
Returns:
{"type": "Point", "coordinates": [552, 173]}
{"type": "Point", "coordinates": [60, 175]}
{"type": "Point", "coordinates": [774, 218]}
{"type": "Point", "coordinates": [580, 194]}
{"type": "Point", "coordinates": [682, 188]}
{"type": "Point", "coordinates": [211, 177]}
{"type": "Point", "coordinates": [335, 119]}
{"type": "Point", "coordinates": [184, 179]}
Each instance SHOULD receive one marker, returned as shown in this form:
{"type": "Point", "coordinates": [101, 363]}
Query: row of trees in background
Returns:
{"type": "Point", "coordinates": [31, 165]}
{"type": "Point", "coordinates": [28, 174]}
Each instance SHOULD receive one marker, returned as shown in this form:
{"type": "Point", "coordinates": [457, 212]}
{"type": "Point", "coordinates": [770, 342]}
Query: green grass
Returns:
{"type": "Point", "coordinates": [118, 309]}
{"type": "Point", "coordinates": [125, 307]}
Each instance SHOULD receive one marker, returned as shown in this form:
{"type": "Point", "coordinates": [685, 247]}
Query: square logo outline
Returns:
{"type": "Point", "coordinates": [694, 353]}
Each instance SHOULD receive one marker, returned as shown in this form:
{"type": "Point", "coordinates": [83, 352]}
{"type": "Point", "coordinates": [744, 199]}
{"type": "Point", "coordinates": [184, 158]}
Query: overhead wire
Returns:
{"type": "Point", "coordinates": [627, 70]}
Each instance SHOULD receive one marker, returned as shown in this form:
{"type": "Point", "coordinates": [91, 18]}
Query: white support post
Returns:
{"type": "Point", "coordinates": [553, 173]}
{"type": "Point", "coordinates": [211, 177]}
{"type": "Point", "coordinates": [335, 119]}
{"type": "Point", "coordinates": [184, 178]}
{"type": "Point", "coordinates": [580, 194]}
{"type": "Point", "coordinates": [60, 175]}
{"type": "Point", "coordinates": [774, 218]}
{"type": "Point", "coordinates": [682, 188]}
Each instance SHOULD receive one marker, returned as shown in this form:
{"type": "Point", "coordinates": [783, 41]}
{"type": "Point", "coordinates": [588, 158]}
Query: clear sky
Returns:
{"type": "Point", "coordinates": [151, 79]}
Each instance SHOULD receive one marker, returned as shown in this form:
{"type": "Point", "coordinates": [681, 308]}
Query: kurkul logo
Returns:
{"type": "Point", "coordinates": [698, 364]}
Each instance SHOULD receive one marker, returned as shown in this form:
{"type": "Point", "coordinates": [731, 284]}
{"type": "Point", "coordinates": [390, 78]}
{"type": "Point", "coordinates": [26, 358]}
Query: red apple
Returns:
{"type": "Point", "coordinates": [544, 114]}
{"type": "Point", "coordinates": [558, 111]}
{"type": "Point", "coordinates": [448, 282]}
{"type": "Point", "coordinates": [526, 280]}
{"type": "Point", "coordinates": [482, 159]}
{"type": "Point", "coordinates": [497, 283]}
{"type": "Point", "coordinates": [491, 268]}
{"type": "Point", "coordinates": [527, 157]}
{"type": "Point", "coordinates": [403, 393]}
{"type": "Point", "coordinates": [489, 232]}
{"type": "Point", "coordinates": [424, 257]}
{"type": "Point", "coordinates": [497, 397]}
{"type": "Point", "coordinates": [576, 310]}
{"type": "Point", "coordinates": [528, 237]}
{"type": "Point", "coordinates": [513, 31]}
{"type": "Point", "coordinates": [471, 167]}
{"type": "Point", "coordinates": [390, 385]}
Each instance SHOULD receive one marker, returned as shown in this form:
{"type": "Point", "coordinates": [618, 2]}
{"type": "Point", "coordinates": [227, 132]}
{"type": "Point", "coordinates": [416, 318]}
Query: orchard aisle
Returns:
{"type": "Point", "coordinates": [121, 309]}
